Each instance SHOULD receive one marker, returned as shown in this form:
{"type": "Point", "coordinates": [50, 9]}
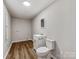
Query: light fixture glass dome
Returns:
{"type": "Point", "coordinates": [26, 3]}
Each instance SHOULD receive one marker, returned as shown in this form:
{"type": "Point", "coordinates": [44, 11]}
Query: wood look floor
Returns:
{"type": "Point", "coordinates": [22, 50]}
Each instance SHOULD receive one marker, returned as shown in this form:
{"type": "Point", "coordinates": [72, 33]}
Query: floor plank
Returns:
{"type": "Point", "coordinates": [22, 50]}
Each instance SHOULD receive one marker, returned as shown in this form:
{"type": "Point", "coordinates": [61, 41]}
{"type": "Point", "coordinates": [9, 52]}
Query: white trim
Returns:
{"type": "Point", "coordinates": [7, 51]}
{"type": "Point", "coordinates": [20, 40]}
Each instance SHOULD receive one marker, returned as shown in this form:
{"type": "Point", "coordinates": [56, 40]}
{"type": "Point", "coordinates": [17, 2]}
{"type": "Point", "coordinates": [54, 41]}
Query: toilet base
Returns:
{"type": "Point", "coordinates": [49, 56]}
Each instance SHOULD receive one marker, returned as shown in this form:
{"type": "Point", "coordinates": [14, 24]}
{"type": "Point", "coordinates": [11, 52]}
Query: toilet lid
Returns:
{"type": "Point", "coordinates": [42, 49]}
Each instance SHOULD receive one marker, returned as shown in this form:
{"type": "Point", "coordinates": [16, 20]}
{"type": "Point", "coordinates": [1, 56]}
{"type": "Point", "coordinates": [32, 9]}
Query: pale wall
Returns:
{"type": "Point", "coordinates": [7, 31]}
{"type": "Point", "coordinates": [21, 29]}
{"type": "Point", "coordinates": [60, 26]}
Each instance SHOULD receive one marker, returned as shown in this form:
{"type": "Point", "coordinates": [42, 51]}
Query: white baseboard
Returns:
{"type": "Point", "coordinates": [20, 40]}
{"type": "Point", "coordinates": [7, 51]}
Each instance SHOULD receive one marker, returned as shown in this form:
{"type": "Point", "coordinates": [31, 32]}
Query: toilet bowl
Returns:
{"type": "Point", "coordinates": [42, 51]}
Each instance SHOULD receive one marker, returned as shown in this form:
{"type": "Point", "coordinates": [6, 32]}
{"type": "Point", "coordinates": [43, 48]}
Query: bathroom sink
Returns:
{"type": "Point", "coordinates": [38, 40]}
{"type": "Point", "coordinates": [40, 36]}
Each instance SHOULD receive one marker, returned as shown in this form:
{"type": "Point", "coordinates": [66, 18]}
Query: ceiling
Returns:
{"type": "Point", "coordinates": [18, 10]}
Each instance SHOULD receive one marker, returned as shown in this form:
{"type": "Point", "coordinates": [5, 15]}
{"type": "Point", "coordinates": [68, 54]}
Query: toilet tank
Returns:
{"type": "Point", "coordinates": [50, 43]}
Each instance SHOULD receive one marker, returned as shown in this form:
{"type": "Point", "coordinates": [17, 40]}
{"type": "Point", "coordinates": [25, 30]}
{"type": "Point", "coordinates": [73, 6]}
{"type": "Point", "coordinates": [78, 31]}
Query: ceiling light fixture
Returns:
{"type": "Point", "coordinates": [26, 3]}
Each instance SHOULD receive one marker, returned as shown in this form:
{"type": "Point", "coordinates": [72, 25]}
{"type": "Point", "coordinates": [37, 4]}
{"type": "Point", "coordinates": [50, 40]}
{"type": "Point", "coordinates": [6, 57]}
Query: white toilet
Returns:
{"type": "Point", "coordinates": [43, 52]}
{"type": "Point", "coordinates": [44, 48]}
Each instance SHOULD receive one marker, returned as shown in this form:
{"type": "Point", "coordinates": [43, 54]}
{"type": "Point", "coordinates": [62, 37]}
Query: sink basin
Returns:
{"type": "Point", "coordinates": [40, 36]}
{"type": "Point", "coordinates": [39, 40]}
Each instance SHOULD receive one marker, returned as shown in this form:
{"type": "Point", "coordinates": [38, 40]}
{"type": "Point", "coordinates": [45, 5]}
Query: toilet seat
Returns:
{"type": "Point", "coordinates": [42, 49]}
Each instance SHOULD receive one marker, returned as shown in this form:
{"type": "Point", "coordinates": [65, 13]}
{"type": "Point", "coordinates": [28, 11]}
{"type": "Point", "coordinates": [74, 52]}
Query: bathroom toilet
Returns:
{"type": "Point", "coordinates": [43, 46]}
{"type": "Point", "coordinates": [43, 51]}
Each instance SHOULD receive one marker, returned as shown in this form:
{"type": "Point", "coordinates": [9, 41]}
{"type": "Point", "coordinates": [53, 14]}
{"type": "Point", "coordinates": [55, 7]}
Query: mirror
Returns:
{"type": "Point", "coordinates": [42, 23]}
